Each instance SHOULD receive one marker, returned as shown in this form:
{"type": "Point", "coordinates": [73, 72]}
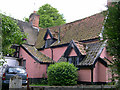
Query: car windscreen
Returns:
{"type": "Point", "coordinates": [16, 70]}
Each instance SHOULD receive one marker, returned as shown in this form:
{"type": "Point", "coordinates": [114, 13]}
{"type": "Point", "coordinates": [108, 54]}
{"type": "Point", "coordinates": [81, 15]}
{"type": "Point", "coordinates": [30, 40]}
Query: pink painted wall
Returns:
{"type": "Point", "coordinates": [105, 54]}
{"type": "Point", "coordinates": [102, 73]}
{"type": "Point", "coordinates": [84, 75]}
{"type": "Point", "coordinates": [96, 73]}
{"type": "Point", "coordinates": [47, 52]}
{"type": "Point", "coordinates": [99, 73]}
{"type": "Point", "coordinates": [57, 52]}
{"type": "Point", "coordinates": [48, 37]}
{"type": "Point", "coordinates": [72, 53]}
{"type": "Point", "coordinates": [34, 69]}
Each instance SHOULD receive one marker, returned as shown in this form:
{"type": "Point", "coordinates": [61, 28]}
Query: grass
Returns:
{"type": "Point", "coordinates": [39, 85]}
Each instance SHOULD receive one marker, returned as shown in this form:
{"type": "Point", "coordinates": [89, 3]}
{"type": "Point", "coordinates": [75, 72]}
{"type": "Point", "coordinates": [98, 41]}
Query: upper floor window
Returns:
{"type": "Point", "coordinates": [48, 42]}
{"type": "Point", "coordinates": [74, 59]}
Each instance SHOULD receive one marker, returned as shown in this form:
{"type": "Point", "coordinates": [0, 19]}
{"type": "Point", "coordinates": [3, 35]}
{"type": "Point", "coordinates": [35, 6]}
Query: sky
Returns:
{"type": "Point", "coordinates": [71, 9]}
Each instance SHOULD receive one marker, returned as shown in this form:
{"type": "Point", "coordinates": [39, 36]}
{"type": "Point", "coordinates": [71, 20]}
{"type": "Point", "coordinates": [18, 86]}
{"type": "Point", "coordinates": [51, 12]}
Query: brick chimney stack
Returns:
{"type": "Point", "coordinates": [34, 19]}
{"type": "Point", "coordinates": [109, 2]}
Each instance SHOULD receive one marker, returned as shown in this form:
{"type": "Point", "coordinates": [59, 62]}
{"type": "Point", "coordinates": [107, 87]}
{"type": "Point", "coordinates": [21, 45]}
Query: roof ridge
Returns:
{"type": "Point", "coordinates": [85, 17]}
{"type": "Point", "coordinates": [76, 20]}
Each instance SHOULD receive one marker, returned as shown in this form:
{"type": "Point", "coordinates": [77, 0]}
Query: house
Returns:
{"type": "Point", "coordinates": [77, 42]}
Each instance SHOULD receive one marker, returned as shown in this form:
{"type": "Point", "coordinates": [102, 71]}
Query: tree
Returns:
{"type": "Point", "coordinates": [112, 35]}
{"type": "Point", "coordinates": [10, 33]}
{"type": "Point", "coordinates": [62, 74]}
{"type": "Point", "coordinates": [49, 16]}
{"type": "Point", "coordinates": [26, 19]}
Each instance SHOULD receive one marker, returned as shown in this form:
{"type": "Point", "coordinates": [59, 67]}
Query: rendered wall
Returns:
{"type": "Point", "coordinates": [99, 73]}
{"type": "Point", "coordinates": [34, 69]}
{"type": "Point", "coordinates": [96, 73]}
{"type": "Point", "coordinates": [84, 75]}
{"type": "Point", "coordinates": [72, 53]}
{"type": "Point", "coordinates": [57, 52]}
{"type": "Point", "coordinates": [103, 55]}
{"type": "Point", "coordinates": [47, 52]}
{"type": "Point", "coordinates": [48, 37]}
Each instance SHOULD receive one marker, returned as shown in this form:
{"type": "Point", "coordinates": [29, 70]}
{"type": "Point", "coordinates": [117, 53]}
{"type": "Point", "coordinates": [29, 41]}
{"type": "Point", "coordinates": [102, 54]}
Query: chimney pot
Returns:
{"type": "Point", "coordinates": [34, 12]}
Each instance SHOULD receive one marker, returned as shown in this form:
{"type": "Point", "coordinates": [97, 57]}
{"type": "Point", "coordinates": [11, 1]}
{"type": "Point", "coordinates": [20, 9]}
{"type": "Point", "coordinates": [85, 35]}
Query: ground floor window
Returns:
{"type": "Point", "coordinates": [24, 64]}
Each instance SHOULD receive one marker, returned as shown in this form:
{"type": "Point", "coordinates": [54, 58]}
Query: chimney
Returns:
{"type": "Point", "coordinates": [109, 2]}
{"type": "Point", "coordinates": [34, 19]}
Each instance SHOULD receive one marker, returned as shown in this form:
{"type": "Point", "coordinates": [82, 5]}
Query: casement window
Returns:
{"type": "Point", "coordinates": [74, 59]}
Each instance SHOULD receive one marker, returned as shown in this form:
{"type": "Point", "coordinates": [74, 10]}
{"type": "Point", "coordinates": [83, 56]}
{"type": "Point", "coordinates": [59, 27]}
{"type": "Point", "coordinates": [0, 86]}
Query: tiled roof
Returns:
{"type": "Point", "coordinates": [37, 55]}
{"type": "Point", "coordinates": [83, 29]}
{"type": "Point", "coordinates": [62, 59]}
{"type": "Point", "coordinates": [31, 32]}
{"type": "Point", "coordinates": [93, 52]}
{"type": "Point", "coordinates": [81, 47]}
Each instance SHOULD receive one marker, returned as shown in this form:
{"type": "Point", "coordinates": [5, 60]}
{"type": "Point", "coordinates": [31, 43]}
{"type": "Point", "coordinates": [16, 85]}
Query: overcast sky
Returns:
{"type": "Point", "coordinates": [71, 9]}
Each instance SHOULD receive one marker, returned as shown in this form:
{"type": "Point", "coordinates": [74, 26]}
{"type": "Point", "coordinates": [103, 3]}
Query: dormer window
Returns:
{"type": "Point", "coordinates": [48, 42]}
{"type": "Point", "coordinates": [49, 39]}
{"type": "Point", "coordinates": [75, 53]}
{"type": "Point", "coordinates": [74, 60]}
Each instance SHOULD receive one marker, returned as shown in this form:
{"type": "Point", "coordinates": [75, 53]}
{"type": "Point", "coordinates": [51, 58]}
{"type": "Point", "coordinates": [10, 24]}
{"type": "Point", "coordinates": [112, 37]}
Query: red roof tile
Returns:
{"type": "Point", "coordinates": [87, 28]}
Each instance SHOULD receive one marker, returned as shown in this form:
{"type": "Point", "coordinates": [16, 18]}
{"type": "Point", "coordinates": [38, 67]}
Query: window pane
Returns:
{"type": "Point", "coordinates": [77, 60]}
{"type": "Point", "coordinates": [16, 70]}
{"type": "Point", "coordinates": [70, 60]}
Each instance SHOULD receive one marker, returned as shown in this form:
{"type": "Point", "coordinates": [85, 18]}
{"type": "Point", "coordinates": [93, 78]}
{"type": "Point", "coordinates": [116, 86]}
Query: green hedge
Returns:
{"type": "Point", "coordinates": [62, 74]}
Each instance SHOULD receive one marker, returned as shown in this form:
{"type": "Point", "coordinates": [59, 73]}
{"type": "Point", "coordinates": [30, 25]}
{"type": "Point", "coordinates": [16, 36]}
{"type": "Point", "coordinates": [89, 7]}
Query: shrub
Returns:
{"type": "Point", "coordinates": [62, 74]}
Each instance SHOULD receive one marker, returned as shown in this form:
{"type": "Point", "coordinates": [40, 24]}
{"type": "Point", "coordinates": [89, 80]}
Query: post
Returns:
{"type": "Point", "coordinates": [15, 82]}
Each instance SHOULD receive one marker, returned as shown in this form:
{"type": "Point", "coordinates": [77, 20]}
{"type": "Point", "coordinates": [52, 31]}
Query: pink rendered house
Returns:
{"type": "Point", "coordinates": [76, 42]}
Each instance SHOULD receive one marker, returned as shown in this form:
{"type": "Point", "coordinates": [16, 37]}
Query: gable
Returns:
{"type": "Point", "coordinates": [36, 55]}
{"type": "Point", "coordinates": [48, 37]}
{"type": "Point", "coordinates": [72, 53]}
{"type": "Point", "coordinates": [73, 49]}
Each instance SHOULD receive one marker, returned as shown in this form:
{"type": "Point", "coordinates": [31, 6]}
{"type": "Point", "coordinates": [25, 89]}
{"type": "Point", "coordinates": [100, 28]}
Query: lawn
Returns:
{"type": "Point", "coordinates": [39, 85]}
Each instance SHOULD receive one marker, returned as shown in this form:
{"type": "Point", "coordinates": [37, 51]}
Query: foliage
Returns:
{"type": "Point", "coordinates": [49, 16]}
{"type": "Point", "coordinates": [112, 35]}
{"type": "Point", "coordinates": [11, 34]}
{"type": "Point", "coordinates": [62, 74]}
{"type": "Point", "coordinates": [0, 37]}
{"type": "Point", "coordinates": [26, 19]}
